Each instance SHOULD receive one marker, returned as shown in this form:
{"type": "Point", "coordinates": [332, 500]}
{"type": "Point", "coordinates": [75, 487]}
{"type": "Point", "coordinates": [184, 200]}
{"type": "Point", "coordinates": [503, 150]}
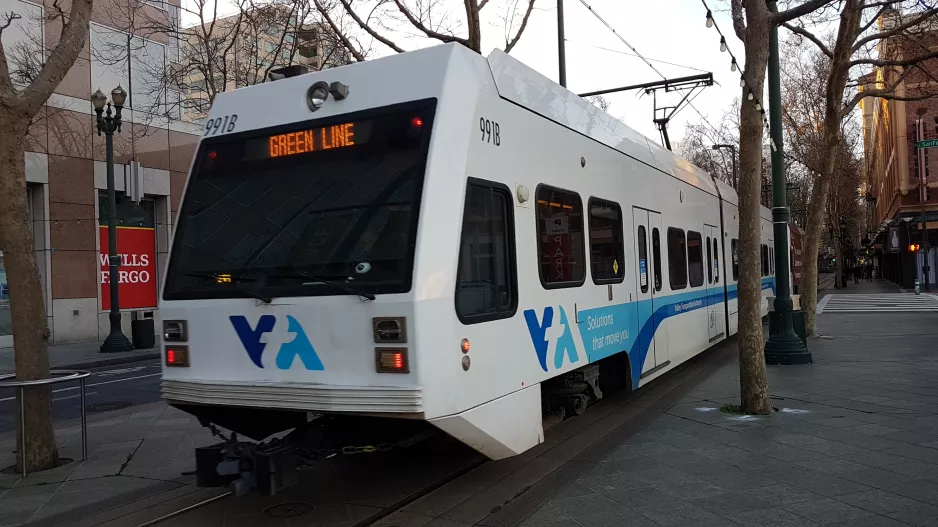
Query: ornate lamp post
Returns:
{"type": "Point", "coordinates": [116, 341]}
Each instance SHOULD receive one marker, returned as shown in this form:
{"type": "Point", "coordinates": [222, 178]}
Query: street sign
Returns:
{"type": "Point", "coordinates": [931, 143]}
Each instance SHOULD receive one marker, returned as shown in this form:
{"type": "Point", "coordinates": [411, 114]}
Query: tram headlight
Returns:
{"type": "Point", "coordinates": [317, 95]}
{"type": "Point", "coordinates": [175, 331]}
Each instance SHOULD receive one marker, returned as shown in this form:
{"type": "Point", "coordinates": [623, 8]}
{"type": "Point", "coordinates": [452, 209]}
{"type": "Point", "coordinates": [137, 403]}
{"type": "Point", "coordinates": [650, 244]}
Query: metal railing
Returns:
{"type": "Point", "coordinates": [56, 376]}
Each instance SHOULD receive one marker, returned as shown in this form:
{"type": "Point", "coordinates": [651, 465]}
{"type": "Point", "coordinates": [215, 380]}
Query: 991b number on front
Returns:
{"type": "Point", "coordinates": [220, 125]}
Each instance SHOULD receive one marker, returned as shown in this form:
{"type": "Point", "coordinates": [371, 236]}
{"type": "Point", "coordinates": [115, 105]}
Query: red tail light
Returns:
{"type": "Point", "coordinates": [177, 356]}
{"type": "Point", "coordinates": [388, 360]}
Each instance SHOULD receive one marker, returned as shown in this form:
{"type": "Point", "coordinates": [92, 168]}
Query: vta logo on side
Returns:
{"type": "Point", "coordinates": [546, 338]}
{"type": "Point", "coordinates": [290, 343]}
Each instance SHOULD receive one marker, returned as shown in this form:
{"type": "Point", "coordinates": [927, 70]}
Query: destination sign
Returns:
{"type": "Point", "coordinates": [318, 139]}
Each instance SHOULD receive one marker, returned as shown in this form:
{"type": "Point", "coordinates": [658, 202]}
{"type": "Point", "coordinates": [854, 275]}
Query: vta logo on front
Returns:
{"type": "Point", "coordinates": [290, 343]}
{"type": "Point", "coordinates": [546, 338]}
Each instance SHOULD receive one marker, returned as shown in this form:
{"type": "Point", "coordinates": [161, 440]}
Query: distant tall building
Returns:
{"type": "Point", "coordinates": [901, 182]}
{"type": "Point", "coordinates": [66, 170]}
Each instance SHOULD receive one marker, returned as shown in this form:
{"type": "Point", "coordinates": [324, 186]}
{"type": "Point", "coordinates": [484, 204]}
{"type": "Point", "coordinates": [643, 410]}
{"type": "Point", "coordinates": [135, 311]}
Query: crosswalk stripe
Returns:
{"type": "Point", "coordinates": [872, 303]}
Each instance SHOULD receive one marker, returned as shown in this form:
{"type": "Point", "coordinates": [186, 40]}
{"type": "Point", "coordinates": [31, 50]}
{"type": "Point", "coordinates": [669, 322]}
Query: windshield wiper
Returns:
{"type": "Point", "coordinates": [327, 281]}
{"type": "Point", "coordinates": [263, 298]}
{"type": "Point", "coordinates": [217, 276]}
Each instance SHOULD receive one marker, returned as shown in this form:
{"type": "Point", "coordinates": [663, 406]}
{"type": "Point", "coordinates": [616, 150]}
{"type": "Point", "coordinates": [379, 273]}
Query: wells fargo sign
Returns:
{"type": "Point", "coordinates": [137, 272]}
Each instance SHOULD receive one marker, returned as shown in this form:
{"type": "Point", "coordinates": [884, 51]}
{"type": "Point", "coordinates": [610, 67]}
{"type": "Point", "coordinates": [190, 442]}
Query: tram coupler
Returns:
{"type": "Point", "coordinates": [247, 467]}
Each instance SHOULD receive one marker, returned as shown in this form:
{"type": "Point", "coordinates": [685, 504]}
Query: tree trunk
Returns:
{"type": "Point", "coordinates": [753, 381]}
{"type": "Point", "coordinates": [26, 299]}
{"type": "Point", "coordinates": [847, 34]}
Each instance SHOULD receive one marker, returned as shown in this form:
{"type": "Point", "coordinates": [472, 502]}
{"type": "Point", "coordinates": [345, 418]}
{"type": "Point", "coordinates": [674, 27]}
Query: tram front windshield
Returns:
{"type": "Point", "coordinates": [320, 208]}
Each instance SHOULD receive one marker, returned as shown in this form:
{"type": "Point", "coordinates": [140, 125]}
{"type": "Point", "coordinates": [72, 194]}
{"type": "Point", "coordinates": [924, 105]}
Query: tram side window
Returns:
{"type": "Point", "coordinates": [607, 249]}
{"type": "Point", "coordinates": [765, 260]}
{"type": "Point", "coordinates": [560, 238]}
{"type": "Point", "coordinates": [656, 254]}
{"type": "Point", "coordinates": [486, 288]}
{"type": "Point", "coordinates": [772, 261]}
{"type": "Point", "coordinates": [734, 249]}
{"type": "Point", "coordinates": [709, 263]}
{"type": "Point", "coordinates": [677, 258]}
{"type": "Point", "coordinates": [695, 258]}
{"type": "Point", "coordinates": [716, 263]}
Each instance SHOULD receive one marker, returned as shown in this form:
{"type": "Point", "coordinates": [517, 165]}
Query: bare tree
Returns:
{"type": "Point", "coordinates": [752, 21]}
{"type": "Point", "coordinates": [898, 48]}
{"type": "Point", "coordinates": [430, 19]}
{"type": "Point", "coordinates": [697, 145]}
{"type": "Point", "coordinates": [222, 51]}
{"type": "Point", "coordinates": [21, 100]}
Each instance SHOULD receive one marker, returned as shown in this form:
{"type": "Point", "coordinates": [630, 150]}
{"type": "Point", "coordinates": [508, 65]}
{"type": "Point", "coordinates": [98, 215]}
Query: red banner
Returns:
{"type": "Point", "coordinates": [558, 248]}
{"type": "Point", "coordinates": [137, 249]}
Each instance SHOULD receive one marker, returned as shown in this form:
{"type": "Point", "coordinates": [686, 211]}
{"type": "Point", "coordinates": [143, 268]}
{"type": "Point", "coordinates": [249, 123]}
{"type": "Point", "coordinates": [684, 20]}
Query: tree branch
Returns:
{"type": "Point", "coordinates": [739, 21]}
{"type": "Point", "coordinates": [790, 14]}
{"type": "Point", "coordinates": [6, 83]}
{"type": "Point", "coordinates": [896, 30]}
{"type": "Point", "coordinates": [335, 30]}
{"type": "Point", "coordinates": [482, 4]}
{"type": "Point", "coordinates": [524, 23]}
{"type": "Point", "coordinates": [368, 29]}
{"type": "Point", "coordinates": [72, 40]}
{"type": "Point", "coordinates": [889, 93]}
{"type": "Point", "coordinates": [420, 26]}
{"type": "Point", "coordinates": [810, 36]}
{"type": "Point", "coordinates": [904, 62]}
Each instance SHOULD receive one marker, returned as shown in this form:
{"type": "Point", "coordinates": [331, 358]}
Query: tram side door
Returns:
{"type": "Point", "coordinates": [644, 222]}
{"type": "Point", "coordinates": [715, 297]}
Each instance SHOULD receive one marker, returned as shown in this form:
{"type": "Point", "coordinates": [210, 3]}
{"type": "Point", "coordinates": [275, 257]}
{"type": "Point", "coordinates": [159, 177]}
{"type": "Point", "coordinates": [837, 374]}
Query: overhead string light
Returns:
{"type": "Point", "coordinates": [734, 66]}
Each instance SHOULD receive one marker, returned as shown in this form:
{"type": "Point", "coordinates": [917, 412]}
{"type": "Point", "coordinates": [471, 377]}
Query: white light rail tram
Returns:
{"type": "Point", "coordinates": [434, 240]}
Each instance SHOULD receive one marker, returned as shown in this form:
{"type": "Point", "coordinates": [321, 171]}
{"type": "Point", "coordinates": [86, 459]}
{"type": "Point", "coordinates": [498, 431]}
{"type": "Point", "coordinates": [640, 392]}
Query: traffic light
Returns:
{"type": "Point", "coordinates": [915, 247]}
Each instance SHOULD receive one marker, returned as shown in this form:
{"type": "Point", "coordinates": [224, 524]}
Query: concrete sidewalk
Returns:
{"type": "Point", "coordinates": [144, 449]}
{"type": "Point", "coordinates": [853, 442]}
{"type": "Point", "coordinates": [81, 355]}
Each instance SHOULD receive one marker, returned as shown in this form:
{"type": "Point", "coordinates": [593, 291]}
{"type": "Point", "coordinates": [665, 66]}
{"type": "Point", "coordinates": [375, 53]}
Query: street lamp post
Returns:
{"type": "Point", "coordinates": [116, 341]}
{"type": "Point", "coordinates": [733, 153]}
{"type": "Point", "coordinates": [784, 345]}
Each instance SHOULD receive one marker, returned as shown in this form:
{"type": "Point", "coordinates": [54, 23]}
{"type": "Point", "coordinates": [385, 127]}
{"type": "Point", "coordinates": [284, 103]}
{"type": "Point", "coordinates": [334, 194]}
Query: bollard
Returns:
{"type": "Point", "coordinates": [918, 290]}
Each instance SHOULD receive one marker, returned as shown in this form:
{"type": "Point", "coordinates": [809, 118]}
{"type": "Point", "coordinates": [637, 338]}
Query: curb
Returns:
{"type": "Point", "coordinates": [98, 363]}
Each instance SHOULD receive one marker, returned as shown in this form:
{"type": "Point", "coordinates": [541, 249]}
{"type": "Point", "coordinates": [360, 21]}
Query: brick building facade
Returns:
{"type": "Point", "coordinates": [897, 191]}
{"type": "Point", "coordinates": [66, 170]}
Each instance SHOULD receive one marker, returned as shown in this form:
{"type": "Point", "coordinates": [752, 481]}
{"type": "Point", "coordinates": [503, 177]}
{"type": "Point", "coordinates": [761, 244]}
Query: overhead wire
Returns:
{"type": "Point", "coordinates": [646, 60]}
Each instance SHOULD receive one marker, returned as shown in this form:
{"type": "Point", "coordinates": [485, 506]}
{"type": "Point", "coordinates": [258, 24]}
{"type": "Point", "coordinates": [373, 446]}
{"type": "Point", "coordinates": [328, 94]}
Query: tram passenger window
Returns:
{"type": "Point", "coordinates": [734, 250]}
{"type": "Point", "coordinates": [677, 258]}
{"type": "Point", "coordinates": [772, 261]}
{"type": "Point", "coordinates": [607, 249]}
{"type": "Point", "coordinates": [716, 263]}
{"type": "Point", "coordinates": [695, 258]}
{"type": "Point", "coordinates": [486, 288]}
{"type": "Point", "coordinates": [560, 238]}
{"type": "Point", "coordinates": [656, 254]}
{"type": "Point", "coordinates": [709, 263]}
{"type": "Point", "coordinates": [642, 259]}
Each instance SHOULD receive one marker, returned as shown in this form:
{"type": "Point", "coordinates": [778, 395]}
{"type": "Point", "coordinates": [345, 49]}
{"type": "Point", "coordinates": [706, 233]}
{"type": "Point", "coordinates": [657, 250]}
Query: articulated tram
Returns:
{"type": "Point", "coordinates": [441, 238]}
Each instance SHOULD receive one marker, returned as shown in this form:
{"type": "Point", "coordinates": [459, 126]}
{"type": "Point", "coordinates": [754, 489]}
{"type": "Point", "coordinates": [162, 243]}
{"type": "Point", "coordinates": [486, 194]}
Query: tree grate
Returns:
{"type": "Point", "coordinates": [108, 406]}
{"type": "Point", "coordinates": [290, 509]}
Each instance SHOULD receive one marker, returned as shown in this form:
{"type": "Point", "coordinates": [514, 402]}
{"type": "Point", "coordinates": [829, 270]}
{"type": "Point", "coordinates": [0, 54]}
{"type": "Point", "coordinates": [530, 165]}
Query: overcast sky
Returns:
{"type": "Point", "coordinates": [667, 30]}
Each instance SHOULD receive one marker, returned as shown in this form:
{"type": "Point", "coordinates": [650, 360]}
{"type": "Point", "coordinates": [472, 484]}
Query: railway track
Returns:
{"type": "Point", "coordinates": [365, 488]}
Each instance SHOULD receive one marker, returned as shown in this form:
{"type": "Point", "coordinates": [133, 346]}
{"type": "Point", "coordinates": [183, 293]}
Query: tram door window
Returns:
{"type": "Point", "coordinates": [643, 259]}
{"type": "Point", "coordinates": [486, 288]}
{"type": "Point", "coordinates": [656, 253]}
{"type": "Point", "coordinates": [709, 263]}
{"type": "Point", "coordinates": [677, 258]}
{"type": "Point", "coordinates": [560, 238]}
{"type": "Point", "coordinates": [695, 259]}
{"type": "Point", "coordinates": [716, 262]}
{"type": "Point", "coordinates": [734, 250]}
{"type": "Point", "coordinates": [607, 249]}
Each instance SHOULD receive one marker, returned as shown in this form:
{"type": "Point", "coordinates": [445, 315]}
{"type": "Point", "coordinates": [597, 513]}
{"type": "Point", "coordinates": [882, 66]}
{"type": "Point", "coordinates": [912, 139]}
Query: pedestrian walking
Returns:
{"type": "Point", "coordinates": [869, 271]}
